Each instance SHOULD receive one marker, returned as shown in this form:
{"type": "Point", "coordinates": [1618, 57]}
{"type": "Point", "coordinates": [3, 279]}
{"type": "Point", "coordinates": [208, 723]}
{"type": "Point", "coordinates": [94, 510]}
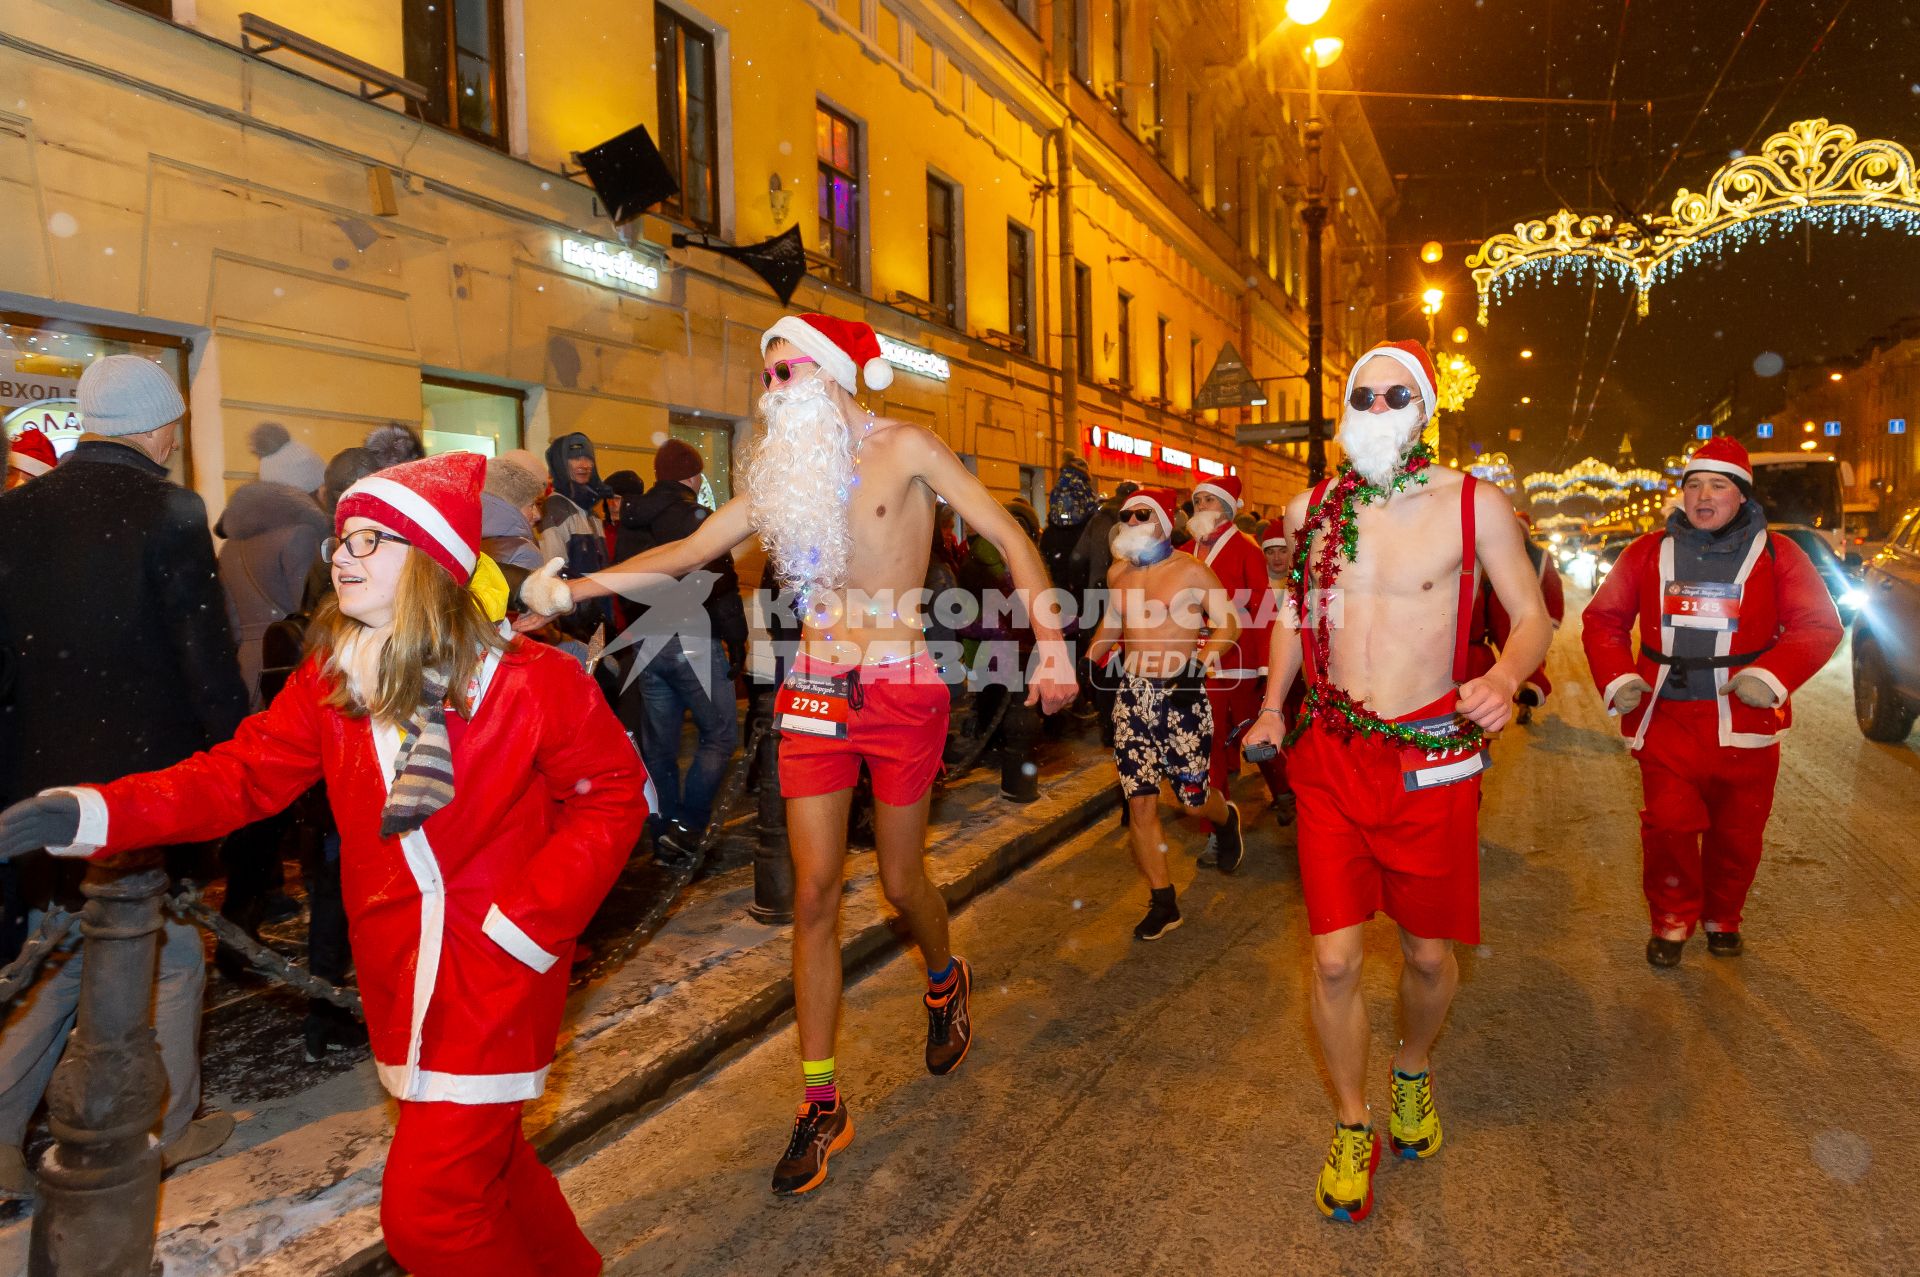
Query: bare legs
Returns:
{"type": "Point", "coordinates": [1428, 979]}
{"type": "Point", "coordinates": [1148, 840]}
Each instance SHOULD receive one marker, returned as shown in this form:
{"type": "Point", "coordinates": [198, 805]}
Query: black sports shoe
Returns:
{"type": "Point", "coordinates": [1725, 944]}
{"type": "Point", "coordinates": [818, 1133]}
{"type": "Point", "coordinates": [676, 847]}
{"type": "Point", "coordinates": [1163, 915]}
{"type": "Point", "coordinates": [1664, 953]}
{"type": "Point", "coordinates": [1285, 809]}
{"type": "Point", "coordinates": [949, 1024]}
{"type": "Point", "coordinates": [1229, 850]}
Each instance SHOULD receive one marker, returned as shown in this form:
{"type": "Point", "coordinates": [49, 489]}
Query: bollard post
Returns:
{"type": "Point", "coordinates": [772, 862]}
{"type": "Point", "coordinates": [100, 1182]}
{"type": "Point", "coordinates": [1019, 732]}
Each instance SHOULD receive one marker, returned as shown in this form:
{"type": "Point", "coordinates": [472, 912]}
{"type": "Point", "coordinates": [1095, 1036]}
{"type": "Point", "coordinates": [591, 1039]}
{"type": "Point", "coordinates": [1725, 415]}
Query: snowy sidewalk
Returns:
{"type": "Point", "coordinates": [296, 1193]}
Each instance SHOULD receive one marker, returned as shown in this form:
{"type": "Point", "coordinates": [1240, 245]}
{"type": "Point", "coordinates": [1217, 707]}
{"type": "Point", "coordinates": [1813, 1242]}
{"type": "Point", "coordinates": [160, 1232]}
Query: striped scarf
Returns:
{"type": "Point", "coordinates": [423, 773]}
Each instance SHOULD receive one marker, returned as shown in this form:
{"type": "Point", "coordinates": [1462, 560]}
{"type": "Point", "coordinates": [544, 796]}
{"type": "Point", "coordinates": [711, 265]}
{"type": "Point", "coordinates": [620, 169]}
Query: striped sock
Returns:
{"type": "Point", "coordinates": [821, 1088]}
{"type": "Point", "coordinates": [944, 981]}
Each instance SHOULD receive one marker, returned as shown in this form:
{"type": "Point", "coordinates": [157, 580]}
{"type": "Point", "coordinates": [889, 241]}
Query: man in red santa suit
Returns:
{"type": "Point", "coordinates": [1732, 620]}
{"type": "Point", "coordinates": [1492, 627]}
{"type": "Point", "coordinates": [1234, 689]}
{"type": "Point", "coordinates": [29, 456]}
{"type": "Point", "coordinates": [486, 799]}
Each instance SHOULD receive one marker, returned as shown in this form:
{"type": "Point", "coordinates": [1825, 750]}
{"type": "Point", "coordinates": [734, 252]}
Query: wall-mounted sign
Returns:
{"type": "Point", "coordinates": [1897, 426]}
{"type": "Point", "coordinates": [1211, 468]}
{"type": "Point", "coordinates": [1175, 458]}
{"type": "Point", "coordinates": [1703, 432]}
{"type": "Point", "coordinates": [923, 363]}
{"type": "Point", "coordinates": [1764, 430]}
{"type": "Point", "coordinates": [616, 266]}
{"type": "Point", "coordinates": [1832, 429]}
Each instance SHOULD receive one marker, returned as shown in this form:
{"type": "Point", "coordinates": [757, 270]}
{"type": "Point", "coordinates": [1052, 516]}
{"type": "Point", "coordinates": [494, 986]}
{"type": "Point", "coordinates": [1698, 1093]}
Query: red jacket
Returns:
{"type": "Point", "coordinates": [462, 930]}
{"type": "Point", "coordinates": [1242, 570]}
{"type": "Point", "coordinates": [1783, 603]}
{"type": "Point", "coordinates": [1492, 626]}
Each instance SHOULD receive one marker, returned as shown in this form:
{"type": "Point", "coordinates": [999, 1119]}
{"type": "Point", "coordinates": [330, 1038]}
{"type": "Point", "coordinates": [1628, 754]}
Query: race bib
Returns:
{"type": "Point", "coordinates": [1700, 605]}
{"type": "Point", "coordinates": [1430, 768]}
{"type": "Point", "coordinates": [813, 705]}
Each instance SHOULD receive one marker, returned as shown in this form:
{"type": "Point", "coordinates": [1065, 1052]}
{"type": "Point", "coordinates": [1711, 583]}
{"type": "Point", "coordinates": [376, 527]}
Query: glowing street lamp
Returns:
{"type": "Point", "coordinates": [1526, 354]}
{"type": "Point", "coordinates": [1324, 52]}
{"type": "Point", "coordinates": [1430, 301]}
{"type": "Point", "coordinates": [1460, 335]}
{"type": "Point", "coordinates": [1307, 12]}
{"type": "Point", "coordinates": [1432, 251]}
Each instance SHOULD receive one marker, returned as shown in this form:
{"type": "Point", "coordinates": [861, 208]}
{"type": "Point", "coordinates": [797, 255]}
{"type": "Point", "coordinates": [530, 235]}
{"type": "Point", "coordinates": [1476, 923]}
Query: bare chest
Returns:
{"type": "Point", "coordinates": [1408, 548]}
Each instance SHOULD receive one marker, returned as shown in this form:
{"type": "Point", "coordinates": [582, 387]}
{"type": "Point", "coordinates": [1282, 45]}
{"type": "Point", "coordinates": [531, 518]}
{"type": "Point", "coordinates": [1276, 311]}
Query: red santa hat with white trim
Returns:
{"type": "Point", "coordinates": [1721, 455]}
{"type": "Point", "coordinates": [1226, 488]}
{"type": "Point", "coordinates": [846, 349]}
{"type": "Point", "coordinates": [434, 504]}
{"type": "Point", "coordinates": [1410, 355]}
{"type": "Point", "coordinates": [31, 453]}
{"type": "Point", "coordinates": [1159, 500]}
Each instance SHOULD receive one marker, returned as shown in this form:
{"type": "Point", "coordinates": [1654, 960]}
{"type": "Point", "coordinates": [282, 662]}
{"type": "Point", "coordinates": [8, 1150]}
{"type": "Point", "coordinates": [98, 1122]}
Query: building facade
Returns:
{"type": "Point", "coordinates": [339, 216]}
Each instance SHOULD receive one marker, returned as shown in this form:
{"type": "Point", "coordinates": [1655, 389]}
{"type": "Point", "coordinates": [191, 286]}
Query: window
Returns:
{"type": "Point", "coordinates": [1083, 319]}
{"type": "Point", "coordinates": [1193, 371]}
{"type": "Point", "coordinates": [1160, 74]}
{"type": "Point", "coordinates": [838, 142]}
{"type": "Point", "coordinates": [715, 446]}
{"type": "Point", "coordinates": [456, 50]}
{"type": "Point", "coordinates": [41, 360]}
{"type": "Point", "coordinates": [943, 249]}
{"type": "Point", "coordinates": [1119, 18]}
{"type": "Point", "coordinates": [1020, 286]}
{"type": "Point", "coordinates": [1126, 339]}
{"type": "Point", "coordinates": [469, 416]}
{"type": "Point", "coordinates": [689, 137]}
{"type": "Point", "coordinates": [158, 8]}
{"type": "Point", "coordinates": [1194, 173]}
{"type": "Point", "coordinates": [1162, 346]}
{"type": "Point", "coordinates": [1079, 19]}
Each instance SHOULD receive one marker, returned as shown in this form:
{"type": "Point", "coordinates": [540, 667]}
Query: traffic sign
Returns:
{"type": "Point", "coordinates": [1703, 432]}
{"type": "Point", "coordinates": [1897, 426]}
{"type": "Point", "coordinates": [1832, 429]}
{"type": "Point", "coordinates": [1229, 385]}
{"type": "Point", "coordinates": [1764, 430]}
{"type": "Point", "coordinates": [1273, 432]}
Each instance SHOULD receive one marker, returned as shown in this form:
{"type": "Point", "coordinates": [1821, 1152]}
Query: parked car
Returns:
{"type": "Point", "coordinates": [1886, 637]}
{"type": "Point", "coordinates": [1842, 579]}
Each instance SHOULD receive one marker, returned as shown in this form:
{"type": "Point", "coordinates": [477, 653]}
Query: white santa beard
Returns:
{"type": "Point", "coordinates": [1377, 442]}
{"type": "Point", "coordinates": [1135, 540]}
{"type": "Point", "coordinates": [1202, 524]}
{"type": "Point", "coordinates": [799, 482]}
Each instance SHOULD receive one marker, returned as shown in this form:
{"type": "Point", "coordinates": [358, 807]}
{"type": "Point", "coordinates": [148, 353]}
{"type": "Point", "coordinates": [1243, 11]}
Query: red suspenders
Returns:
{"type": "Point", "coordinates": [1463, 622]}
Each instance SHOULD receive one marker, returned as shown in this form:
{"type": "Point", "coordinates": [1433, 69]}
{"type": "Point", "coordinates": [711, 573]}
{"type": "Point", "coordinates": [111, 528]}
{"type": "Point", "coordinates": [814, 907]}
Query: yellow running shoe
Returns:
{"type": "Point", "coordinates": [1344, 1191]}
{"type": "Point", "coordinates": [1414, 1127]}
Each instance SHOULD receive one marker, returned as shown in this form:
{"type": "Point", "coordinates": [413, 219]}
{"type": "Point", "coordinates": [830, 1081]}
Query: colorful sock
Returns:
{"type": "Point", "coordinates": [821, 1088]}
{"type": "Point", "coordinates": [944, 981]}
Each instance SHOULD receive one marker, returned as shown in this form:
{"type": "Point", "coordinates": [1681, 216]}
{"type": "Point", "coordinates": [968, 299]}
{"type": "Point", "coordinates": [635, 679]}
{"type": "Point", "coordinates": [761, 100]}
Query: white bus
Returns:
{"type": "Point", "coordinates": [1804, 490]}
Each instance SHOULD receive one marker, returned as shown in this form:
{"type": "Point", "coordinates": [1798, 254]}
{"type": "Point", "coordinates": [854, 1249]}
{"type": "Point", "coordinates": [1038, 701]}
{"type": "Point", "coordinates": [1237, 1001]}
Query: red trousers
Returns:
{"type": "Point", "coordinates": [1235, 702]}
{"type": "Point", "coordinates": [1707, 806]}
{"type": "Point", "coordinates": [465, 1195]}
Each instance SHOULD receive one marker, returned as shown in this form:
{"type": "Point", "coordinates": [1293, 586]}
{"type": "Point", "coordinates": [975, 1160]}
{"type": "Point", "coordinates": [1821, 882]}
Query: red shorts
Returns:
{"type": "Point", "coordinates": [896, 725]}
{"type": "Point", "coordinates": [1368, 844]}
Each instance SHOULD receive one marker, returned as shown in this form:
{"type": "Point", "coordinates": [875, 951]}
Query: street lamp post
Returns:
{"type": "Point", "coordinates": [1321, 53]}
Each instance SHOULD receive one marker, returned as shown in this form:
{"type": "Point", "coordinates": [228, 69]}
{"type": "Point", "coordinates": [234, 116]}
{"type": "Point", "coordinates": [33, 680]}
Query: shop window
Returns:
{"type": "Point", "coordinates": [689, 116]}
{"type": "Point", "coordinates": [714, 443]}
{"type": "Point", "coordinates": [1083, 319]}
{"type": "Point", "coordinates": [40, 380]}
{"type": "Point", "coordinates": [943, 249]}
{"type": "Point", "coordinates": [456, 50]}
{"type": "Point", "coordinates": [1020, 286]}
{"type": "Point", "coordinates": [469, 416]}
{"type": "Point", "coordinates": [837, 148]}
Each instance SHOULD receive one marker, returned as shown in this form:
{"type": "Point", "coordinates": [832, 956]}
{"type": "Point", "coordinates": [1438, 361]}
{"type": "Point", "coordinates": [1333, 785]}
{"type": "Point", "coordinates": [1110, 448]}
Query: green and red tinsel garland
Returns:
{"type": "Point", "coordinates": [1342, 715]}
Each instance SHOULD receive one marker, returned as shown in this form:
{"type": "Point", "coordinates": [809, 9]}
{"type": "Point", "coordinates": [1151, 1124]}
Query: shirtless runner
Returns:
{"type": "Point", "coordinates": [844, 503]}
{"type": "Point", "coordinates": [1174, 621]}
{"type": "Point", "coordinates": [1387, 755]}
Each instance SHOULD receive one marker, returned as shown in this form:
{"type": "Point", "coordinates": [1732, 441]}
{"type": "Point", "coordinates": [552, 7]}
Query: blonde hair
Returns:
{"type": "Point", "coordinates": [438, 626]}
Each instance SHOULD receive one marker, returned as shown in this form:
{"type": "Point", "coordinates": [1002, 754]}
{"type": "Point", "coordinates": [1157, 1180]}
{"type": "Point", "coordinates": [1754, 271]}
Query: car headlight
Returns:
{"type": "Point", "coordinates": [1603, 569]}
{"type": "Point", "coordinates": [1853, 597]}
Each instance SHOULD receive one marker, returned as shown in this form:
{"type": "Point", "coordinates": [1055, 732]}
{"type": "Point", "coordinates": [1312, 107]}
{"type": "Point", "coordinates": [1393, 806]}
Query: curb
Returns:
{"type": "Point", "coordinates": [581, 1126]}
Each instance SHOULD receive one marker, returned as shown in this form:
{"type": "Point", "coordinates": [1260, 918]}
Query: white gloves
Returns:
{"type": "Point", "coordinates": [544, 592]}
{"type": "Point", "coordinates": [1628, 698]}
{"type": "Point", "coordinates": [1751, 690]}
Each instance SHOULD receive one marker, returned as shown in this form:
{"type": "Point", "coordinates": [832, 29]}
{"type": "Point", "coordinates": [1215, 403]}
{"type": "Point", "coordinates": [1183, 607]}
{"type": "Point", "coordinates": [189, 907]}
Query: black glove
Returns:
{"type": "Point", "coordinates": [49, 821]}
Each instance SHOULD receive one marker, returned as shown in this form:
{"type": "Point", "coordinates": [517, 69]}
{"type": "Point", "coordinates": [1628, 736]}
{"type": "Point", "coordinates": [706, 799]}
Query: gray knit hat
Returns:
{"type": "Point", "coordinates": [128, 395]}
{"type": "Point", "coordinates": [284, 459]}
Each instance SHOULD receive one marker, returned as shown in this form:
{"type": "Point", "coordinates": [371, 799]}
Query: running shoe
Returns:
{"type": "Point", "coordinates": [1414, 1128]}
{"type": "Point", "coordinates": [818, 1133]}
{"type": "Point", "coordinates": [1162, 916]}
{"type": "Point", "coordinates": [1344, 1191]}
{"type": "Point", "coordinates": [1662, 952]}
{"type": "Point", "coordinates": [949, 1026]}
{"type": "Point", "coordinates": [1725, 944]}
{"type": "Point", "coordinates": [1228, 846]}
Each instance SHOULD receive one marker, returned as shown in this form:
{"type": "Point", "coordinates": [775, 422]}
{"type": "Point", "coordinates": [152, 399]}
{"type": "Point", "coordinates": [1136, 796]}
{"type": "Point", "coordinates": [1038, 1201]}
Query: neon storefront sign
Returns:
{"type": "Point", "coordinates": [921, 363]}
{"type": "Point", "coordinates": [611, 265]}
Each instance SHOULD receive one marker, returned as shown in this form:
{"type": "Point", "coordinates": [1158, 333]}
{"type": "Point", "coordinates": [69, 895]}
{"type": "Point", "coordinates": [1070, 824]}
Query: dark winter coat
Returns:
{"type": "Point", "coordinates": [273, 534]}
{"type": "Point", "coordinates": [113, 633]}
{"type": "Point", "coordinates": [570, 530]}
{"type": "Point", "coordinates": [669, 512]}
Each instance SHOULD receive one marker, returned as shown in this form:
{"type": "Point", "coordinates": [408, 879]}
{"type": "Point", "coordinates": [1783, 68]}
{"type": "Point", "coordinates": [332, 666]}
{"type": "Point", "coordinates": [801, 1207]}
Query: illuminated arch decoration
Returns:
{"type": "Point", "coordinates": [1812, 174]}
{"type": "Point", "coordinates": [1591, 480]}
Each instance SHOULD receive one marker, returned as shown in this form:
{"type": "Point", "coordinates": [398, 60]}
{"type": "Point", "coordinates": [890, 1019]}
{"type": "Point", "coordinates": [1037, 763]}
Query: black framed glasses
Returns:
{"type": "Point", "coordinates": [360, 544]}
{"type": "Point", "coordinates": [1397, 397]}
{"type": "Point", "coordinates": [782, 370]}
{"type": "Point", "coordinates": [1136, 516]}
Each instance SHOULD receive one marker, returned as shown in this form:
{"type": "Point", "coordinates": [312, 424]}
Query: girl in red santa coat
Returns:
{"type": "Point", "coordinates": [1732, 620]}
{"type": "Point", "coordinates": [486, 799]}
